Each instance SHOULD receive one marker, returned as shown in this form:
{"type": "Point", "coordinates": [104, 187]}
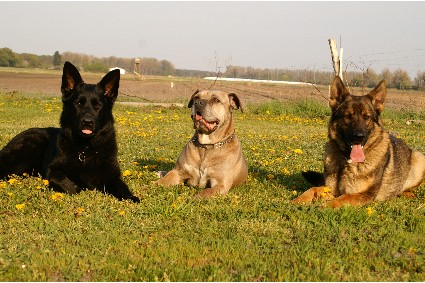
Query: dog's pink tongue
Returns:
{"type": "Point", "coordinates": [357, 154]}
{"type": "Point", "coordinates": [87, 132]}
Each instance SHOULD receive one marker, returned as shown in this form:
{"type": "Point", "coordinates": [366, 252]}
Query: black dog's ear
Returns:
{"type": "Point", "coordinates": [235, 101]}
{"type": "Point", "coordinates": [110, 84]}
{"type": "Point", "coordinates": [378, 95]}
{"type": "Point", "coordinates": [192, 99]}
{"type": "Point", "coordinates": [70, 78]}
{"type": "Point", "coordinates": [338, 93]}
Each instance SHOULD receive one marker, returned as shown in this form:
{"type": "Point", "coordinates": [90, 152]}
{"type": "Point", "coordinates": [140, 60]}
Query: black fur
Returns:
{"type": "Point", "coordinates": [82, 154]}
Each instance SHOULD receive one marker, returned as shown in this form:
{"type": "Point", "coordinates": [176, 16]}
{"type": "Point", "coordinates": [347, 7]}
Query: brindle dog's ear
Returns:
{"type": "Point", "coordinates": [70, 78]}
{"type": "Point", "coordinates": [378, 95]}
{"type": "Point", "coordinates": [110, 84]}
{"type": "Point", "coordinates": [192, 99]}
{"type": "Point", "coordinates": [235, 101]}
{"type": "Point", "coordinates": [338, 93]}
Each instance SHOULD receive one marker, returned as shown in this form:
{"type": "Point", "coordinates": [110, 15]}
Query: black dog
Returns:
{"type": "Point", "coordinates": [82, 154]}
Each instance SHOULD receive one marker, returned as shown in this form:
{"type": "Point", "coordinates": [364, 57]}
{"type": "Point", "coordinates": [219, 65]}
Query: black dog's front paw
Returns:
{"type": "Point", "coordinates": [134, 199]}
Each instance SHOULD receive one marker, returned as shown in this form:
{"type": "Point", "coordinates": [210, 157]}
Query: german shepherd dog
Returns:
{"type": "Point", "coordinates": [362, 161]}
{"type": "Point", "coordinates": [82, 154]}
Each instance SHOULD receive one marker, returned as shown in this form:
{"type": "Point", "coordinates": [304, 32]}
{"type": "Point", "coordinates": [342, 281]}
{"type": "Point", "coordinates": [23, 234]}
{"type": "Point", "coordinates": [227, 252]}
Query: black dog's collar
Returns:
{"type": "Point", "coordinates": [196, 142]}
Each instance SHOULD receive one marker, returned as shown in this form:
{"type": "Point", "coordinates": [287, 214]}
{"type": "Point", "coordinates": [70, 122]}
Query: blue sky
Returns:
{"type": "Point", "coordinates": [203, 35]}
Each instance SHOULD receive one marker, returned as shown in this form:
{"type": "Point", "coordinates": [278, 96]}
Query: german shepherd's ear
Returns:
{"type": "Point", "coordinates": [235, 101]}
{"type": "Point", "coordinates": [378, 95]}
{"type": "Point", "coordinates": [192, 99]}
{"type": "Point", "coordinates": [70, 78]}
{"type": "Point", "coordinates": [338, 93]}
{"type": "Point", "coordinates": [110, 84]}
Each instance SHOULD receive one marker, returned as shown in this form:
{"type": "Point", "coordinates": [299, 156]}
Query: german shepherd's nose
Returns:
{"type": "Point", "coordinates": [87, 123]}
{"type": "Point", "coordinates": [358, 137]}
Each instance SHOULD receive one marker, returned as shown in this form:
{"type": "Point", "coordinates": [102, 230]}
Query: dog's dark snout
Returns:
{"type": "Point", "coordinates": [359, 137]}
{"type": "Point", "coordinates": [200, 103]}
{"type": "Point", "coordinates": [87, 122]}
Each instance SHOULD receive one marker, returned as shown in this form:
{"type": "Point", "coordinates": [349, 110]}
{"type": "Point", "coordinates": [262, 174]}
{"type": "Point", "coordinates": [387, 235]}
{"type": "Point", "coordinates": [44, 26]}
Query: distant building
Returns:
{"type": "Point", "coordinates": [122, 71]}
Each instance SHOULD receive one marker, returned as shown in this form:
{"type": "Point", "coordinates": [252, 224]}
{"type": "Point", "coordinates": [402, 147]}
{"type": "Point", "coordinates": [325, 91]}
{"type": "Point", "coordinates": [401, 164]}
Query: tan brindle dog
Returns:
{"type": "Point", "coordinates": [213, 157]}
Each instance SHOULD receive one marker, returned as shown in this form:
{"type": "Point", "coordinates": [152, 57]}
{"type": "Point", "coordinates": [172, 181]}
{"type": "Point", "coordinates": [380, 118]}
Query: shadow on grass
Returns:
{"type": "Point", "coordinates": [290, 182]}
{"type": "Point", "coordinates": [154, 165]}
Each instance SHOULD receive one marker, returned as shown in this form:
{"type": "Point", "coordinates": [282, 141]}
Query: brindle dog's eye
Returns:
{"type": "Point", "coordinates": [366, 117]}
{"type": "Point", "coordinates": [348, 116]}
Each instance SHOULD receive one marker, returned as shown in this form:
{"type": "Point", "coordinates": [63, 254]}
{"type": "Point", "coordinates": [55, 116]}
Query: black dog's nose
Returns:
{"type": "Point", "coordinates": [87, 122]}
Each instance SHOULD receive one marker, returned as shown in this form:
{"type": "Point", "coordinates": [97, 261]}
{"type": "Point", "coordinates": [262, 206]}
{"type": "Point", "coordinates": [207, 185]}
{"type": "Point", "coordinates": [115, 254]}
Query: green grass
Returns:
{"type": "Point", "coordinates": [253, 234]}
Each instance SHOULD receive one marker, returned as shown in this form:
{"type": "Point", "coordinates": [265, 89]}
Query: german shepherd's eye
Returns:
{"type": "Point", "coordinates": [96, 104]}
{"type": "Point", "coordinates": [80, 102]}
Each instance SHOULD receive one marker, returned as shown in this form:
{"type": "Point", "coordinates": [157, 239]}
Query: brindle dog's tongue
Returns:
{"type": "Point", "coordinates": [209, 125]}
{"type": "Point", "coordinates": [357, 154]}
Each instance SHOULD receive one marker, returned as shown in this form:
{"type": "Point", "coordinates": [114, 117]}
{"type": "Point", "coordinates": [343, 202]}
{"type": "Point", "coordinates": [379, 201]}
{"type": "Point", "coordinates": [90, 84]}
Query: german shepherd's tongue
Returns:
{"type": "Point", "coordinates": [357, 154]}
{"type": "Point", "coordinates": [87, 132]}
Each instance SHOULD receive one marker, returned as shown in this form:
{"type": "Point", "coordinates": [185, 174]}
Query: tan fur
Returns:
{"type": "Point", "coordinates": [200, 164]}
{"type": "Point", "coordinates": [390, 168]}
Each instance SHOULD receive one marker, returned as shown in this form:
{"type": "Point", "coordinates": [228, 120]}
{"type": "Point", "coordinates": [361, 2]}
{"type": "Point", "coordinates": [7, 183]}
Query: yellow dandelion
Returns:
{"type": "Point", "coordinates": [126, 173]}
{"type": "Point", "coordinates": [412, 250]}
{"type": "Point", "coordinates": [294, 192]}
{"type": "Point", "coordinates": [12, 181]}
{"type": "Point", "coordinates": [326, 190]}
{"type": "Point", "coordinates": [25, 174]}
{"type": "Point", "coordinates": [20, 206]}
{"type": "Point", "coordinates": [46, 182]}
{"type": "Point", "coordinates": [121, 213]}
{"type": "Point", "coordinates": [10, 194]}
{"type": "Point", "coordinates": [79, 210]}
{"type": "Point", "coordinates": [57, 196]}
{"type": "Point", "coordinates": [285, 171]}
{"type": "Point", "coordinates": [235, 200]}
{"type": "Point", "coordinates": [369, 210]}
{"type": "Point", "coordinates": [3, 185]}
{"type": "Point", "coordinates": [270, 176]}
{"type": "Point", "coordinates": [135, 162]}
{"type": "Point", "coordinates": [298, 151]}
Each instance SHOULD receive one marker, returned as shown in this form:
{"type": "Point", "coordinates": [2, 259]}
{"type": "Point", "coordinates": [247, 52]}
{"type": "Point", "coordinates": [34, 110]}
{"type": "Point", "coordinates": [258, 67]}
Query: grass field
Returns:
{"type": "Point", "coordinates": [253, 234]}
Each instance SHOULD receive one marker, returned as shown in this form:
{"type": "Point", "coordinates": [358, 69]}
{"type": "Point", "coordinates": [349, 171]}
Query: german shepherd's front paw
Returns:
{"type": "Point", "coordinates": [314, 193]}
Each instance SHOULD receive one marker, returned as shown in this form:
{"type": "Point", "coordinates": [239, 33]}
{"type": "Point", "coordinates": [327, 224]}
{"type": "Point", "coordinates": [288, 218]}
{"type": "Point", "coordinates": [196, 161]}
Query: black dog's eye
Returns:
{"type": "Point", "coordinates": [81, 102]}
{"type": "Point", "coordinates": [96, 104]}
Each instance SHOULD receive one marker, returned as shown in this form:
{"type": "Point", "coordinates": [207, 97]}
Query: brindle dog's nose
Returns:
{"type": "Point", "coordinates": [200, 103]}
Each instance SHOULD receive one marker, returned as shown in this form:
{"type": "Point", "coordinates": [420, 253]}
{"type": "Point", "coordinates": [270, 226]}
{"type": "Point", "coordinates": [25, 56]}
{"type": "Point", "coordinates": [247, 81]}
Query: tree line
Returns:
{"type": "Point", "coordinates": [90, 63]}
{"type": "Point", "coordinates": [398, 78]}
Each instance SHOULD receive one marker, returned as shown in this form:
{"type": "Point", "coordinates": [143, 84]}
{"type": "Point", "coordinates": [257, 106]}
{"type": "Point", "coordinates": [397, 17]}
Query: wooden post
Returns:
{"type": "Point", "coordinates": [336, 59]}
